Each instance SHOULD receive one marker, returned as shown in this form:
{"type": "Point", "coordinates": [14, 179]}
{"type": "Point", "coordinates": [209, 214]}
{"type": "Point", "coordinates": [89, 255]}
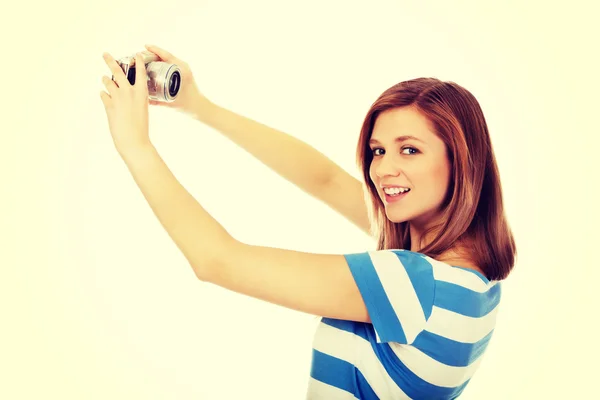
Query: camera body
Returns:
{"type": "Point", "coordinates": [164, 79]}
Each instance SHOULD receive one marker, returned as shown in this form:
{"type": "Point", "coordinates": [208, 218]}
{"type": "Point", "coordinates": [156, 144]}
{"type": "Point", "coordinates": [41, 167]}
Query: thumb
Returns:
{"type": "Point", "coordinates": [160, 103]}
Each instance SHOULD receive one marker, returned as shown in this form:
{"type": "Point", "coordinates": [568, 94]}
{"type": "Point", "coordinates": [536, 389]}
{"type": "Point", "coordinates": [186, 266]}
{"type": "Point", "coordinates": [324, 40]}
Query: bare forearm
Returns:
{"type": "Point", "coordinates": [195, 232]}
{"type": "Point", "coordinates": [288, 156]}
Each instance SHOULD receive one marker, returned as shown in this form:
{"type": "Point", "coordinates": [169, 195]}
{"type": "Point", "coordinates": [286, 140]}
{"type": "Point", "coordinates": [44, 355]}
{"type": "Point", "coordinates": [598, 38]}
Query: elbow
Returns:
{"type": "Point", "coordinates": [210, 272]}
{"type": "Point", "coordinates": [203, 270]}
{"type": "Point", "coordinates": [200, 272]}
{"type": "Point", "coordinates": [210, 269]}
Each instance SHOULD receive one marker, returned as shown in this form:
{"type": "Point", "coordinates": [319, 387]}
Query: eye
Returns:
{"type": "Point", "coordinates": [411, 150]}
{"type": "Point", "coordinates": [374, 151]}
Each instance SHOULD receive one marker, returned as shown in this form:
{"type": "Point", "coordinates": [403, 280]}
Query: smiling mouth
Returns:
{"type": "Point", "coordinates": [393, 192]}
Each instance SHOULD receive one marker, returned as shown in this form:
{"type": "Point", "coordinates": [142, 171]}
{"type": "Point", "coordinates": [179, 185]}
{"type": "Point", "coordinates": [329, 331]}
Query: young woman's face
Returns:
{"type": "Point", "coordinates": [410, 166]}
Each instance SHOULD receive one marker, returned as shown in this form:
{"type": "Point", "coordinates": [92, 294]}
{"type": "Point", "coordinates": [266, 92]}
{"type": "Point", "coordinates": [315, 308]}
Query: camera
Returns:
{"type": "Point", "coordinates": [164, 79]}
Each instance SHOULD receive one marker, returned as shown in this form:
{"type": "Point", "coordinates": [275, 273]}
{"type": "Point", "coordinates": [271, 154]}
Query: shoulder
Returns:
{"type": "Point", "coordinates": [404, 290]}
{"type": "Point", "coordinates": [456, 275]}
{"type": "Point", "coordinates": [413, 261]}
{"type": "Point", "coordinates": [393, 269]}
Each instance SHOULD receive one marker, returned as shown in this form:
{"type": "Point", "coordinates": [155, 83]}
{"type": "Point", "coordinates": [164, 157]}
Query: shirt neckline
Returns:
{"type": "Point", "coordinates": [479, 274]}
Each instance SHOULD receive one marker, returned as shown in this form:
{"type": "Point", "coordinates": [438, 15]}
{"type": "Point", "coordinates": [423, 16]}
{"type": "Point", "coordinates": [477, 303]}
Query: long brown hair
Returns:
{"type": "Point", "coordinates": [472, 214]}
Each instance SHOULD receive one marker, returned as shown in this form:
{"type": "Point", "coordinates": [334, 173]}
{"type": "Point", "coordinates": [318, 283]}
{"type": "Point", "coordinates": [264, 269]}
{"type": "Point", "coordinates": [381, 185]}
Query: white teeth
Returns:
{"type": "Point", "coordinates": [394, 191]}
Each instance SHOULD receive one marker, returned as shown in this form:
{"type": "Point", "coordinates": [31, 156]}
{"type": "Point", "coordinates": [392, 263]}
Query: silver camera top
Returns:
{"type": "Point", "coordinates": [129, 61]}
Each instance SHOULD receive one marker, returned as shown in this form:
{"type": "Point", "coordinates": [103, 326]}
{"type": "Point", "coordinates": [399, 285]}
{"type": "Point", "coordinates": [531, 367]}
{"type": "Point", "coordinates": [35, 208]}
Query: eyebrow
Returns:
{"type": "Point", "coordinates": [398, 139]}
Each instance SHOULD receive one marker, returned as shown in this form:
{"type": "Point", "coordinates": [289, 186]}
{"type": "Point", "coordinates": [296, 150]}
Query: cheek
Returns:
{"type": "Point", "coordinates": [445, 172]}
{"type": "Point", "coordinates": [437, 176]}
{"type": "Point", "coordinates": [442, 176]}
{"type": "Point", "coordinates": [441, 172]}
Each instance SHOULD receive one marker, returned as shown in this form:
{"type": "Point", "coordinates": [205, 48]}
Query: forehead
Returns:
{"type": "Point", "coordinates": [402, 122]}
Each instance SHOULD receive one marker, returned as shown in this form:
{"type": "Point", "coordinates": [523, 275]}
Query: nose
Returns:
{"type": "Point", "coordinates": [386, 166]}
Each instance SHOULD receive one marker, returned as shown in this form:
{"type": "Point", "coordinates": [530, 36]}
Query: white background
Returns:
{"type": "Point", "coordinates": [96, 302]}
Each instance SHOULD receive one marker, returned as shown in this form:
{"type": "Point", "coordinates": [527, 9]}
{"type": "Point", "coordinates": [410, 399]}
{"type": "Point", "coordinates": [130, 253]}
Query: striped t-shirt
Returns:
{"type": "Point", "coordinates": [430, 325]}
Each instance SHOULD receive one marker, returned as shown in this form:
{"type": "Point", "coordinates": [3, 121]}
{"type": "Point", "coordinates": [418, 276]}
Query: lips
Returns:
{"type": "Point", "coordinates": [395, 193]}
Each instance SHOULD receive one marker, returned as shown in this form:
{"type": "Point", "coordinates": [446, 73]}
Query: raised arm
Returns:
{"type": "Point", "coordinates": [291, 158]}
{"type": "Point", "coordinates": [318, 284]}
{"type": "Point", "coordinates": [330, 285]}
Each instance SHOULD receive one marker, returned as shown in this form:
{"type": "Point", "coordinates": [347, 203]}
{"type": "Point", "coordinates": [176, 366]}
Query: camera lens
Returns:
{"type": "Point", "coordinates": [174, 83]}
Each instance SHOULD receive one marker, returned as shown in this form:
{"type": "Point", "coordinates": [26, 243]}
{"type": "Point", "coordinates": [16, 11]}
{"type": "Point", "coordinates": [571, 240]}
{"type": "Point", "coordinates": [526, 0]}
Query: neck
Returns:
{"type": "Point", "coordinates": [457, 255]}
{"type": "Point", "coordinates": [417, 240]}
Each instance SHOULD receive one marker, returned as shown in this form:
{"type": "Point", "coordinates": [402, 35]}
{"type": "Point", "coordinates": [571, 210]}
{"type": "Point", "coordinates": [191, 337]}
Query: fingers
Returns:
{"type": "Point", "coordinates": [116, 70]}
{"type": "Point", "coordinates": [106, 100]}
{"type": "Point", "coordinates": [120, 82]}
{"type": "Point", "coordinates": [162, 53]}
{"type": "Point", "coordinates": [110, 85]}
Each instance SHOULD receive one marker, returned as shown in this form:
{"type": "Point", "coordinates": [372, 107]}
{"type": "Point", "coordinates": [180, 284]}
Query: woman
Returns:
{"type": "Point", "coordinates": [410, 320]}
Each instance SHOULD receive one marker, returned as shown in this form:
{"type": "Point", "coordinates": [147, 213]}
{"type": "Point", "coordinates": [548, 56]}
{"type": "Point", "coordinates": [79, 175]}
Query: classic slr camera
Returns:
{"type": "Point", "coordinates": [164, 79]}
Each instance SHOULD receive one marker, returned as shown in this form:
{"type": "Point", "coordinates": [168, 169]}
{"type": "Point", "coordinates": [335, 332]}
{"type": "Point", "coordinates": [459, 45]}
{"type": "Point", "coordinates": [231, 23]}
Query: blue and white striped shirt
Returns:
{"type": "Point", "coordinates": [430, 325]}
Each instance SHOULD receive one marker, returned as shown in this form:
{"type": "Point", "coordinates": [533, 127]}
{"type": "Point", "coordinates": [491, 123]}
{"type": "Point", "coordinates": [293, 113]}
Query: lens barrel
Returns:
{"type": "Point", "coordinates": [164, 81]}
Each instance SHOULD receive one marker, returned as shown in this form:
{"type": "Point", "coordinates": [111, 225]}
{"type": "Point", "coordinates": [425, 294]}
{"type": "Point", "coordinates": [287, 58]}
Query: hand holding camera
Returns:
{"type": "Point", "coordinates": [126, 103]}
{"type": "Point", "coordinates": [188, 99]}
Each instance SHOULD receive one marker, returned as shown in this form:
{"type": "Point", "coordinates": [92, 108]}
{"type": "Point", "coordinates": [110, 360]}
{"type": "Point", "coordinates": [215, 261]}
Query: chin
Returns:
{"type": "Point", "coordinates": [397, 217]}
{"type": "Point", "coordinates": [402, 215]}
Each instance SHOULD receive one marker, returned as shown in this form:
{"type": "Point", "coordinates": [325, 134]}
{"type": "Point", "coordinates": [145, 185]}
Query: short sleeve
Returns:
{"type": "Point", "coordinates": [398, 289]}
